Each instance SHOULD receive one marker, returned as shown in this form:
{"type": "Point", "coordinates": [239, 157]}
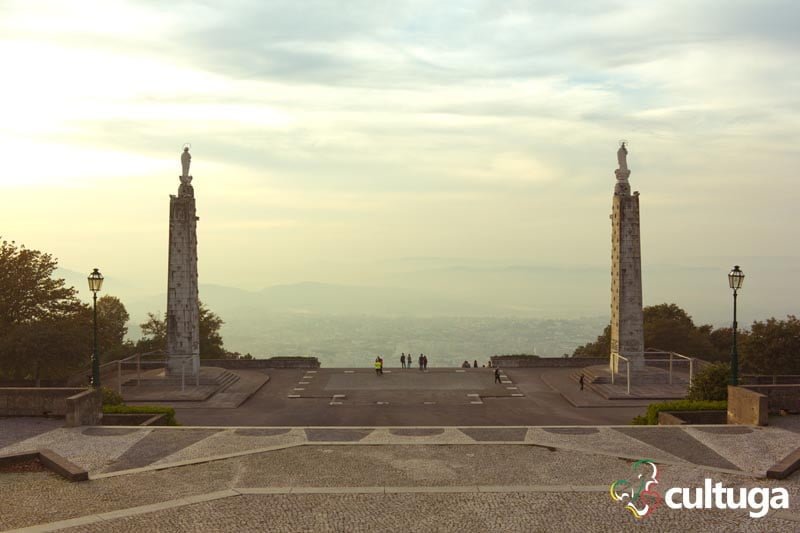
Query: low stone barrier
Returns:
{"type": "Point", "coordinates": [84, 409]}
{"type": "Point", "coordinates": [779, 397]}
{"type": "Point", "coordinates": [521, 361]}
{"type": "Point", "coordinates": [272, 362]}
{"type": "Point", "coordinates": [679, 418]}
{"type": "Point", "coordinates": [78, 406]}
{"type": "Point", "coordinates": [134, 419]}
{"type": "Point", "coordinates": [746, 406]}
{"type": "Point", "coordinates": [36, 401]}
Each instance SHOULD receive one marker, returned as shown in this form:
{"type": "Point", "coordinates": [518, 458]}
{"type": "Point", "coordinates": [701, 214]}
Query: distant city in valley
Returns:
{"type": "Point", "coordinates": [548, 311]}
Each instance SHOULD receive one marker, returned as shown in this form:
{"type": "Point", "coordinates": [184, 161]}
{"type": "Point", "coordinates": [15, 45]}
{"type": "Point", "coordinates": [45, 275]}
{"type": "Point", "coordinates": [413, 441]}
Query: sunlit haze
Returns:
{"type": "Point", "coordinates": [459, 150]}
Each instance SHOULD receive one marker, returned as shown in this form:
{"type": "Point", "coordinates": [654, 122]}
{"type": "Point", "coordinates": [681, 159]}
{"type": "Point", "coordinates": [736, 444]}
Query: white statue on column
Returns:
{"type": "Point", "coordinates": [622, 156]}
{"type": "Point", "coordinates": [186, 160]}
{"type": "Point", "coordinates": [186, 188]}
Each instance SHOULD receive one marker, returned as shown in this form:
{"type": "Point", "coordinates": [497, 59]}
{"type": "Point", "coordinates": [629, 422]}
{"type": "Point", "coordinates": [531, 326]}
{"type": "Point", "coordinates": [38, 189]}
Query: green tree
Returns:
{"type": "Point", "coordinates": [772, 347]}
{"type": "Point", "coordinates": [666, 327]}
{"type": "Point", "coordinates": [28, 292]}
{"type": "Point", "coordinates": [154, 332]}
{"type": "Point", "coordinates": [45, 331]}
{"type": "Point", "coordinates": [711, 383]}
{"type": "Point", "coordinates": [211, 344]}
{"type": "Point", "coordinates": [112, 319]}
{"type": "Point", "coordinates": [601, 347]}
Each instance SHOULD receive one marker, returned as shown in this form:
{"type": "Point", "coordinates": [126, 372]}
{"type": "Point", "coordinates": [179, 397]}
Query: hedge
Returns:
{"type": "Point", "coordinates": [651, 417]}
{"type": "Point", "coordinates": [142, 409]}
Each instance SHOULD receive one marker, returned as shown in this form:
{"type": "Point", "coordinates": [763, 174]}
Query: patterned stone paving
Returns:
{"type": "Point", "coordinates": [571, 431]}
{"type": "Point", "coordinates": [679, 443]}
{"type": "Point", "coordinates": [465, 488]}
{"type": "Point", "coordinates": [158, 444]}
{"type": "Point", "coordinates": [108, 449]}
{"type": "Point", "coordinates": [495, 434]}
{"type": "Point", "coordinates": [336, 435]}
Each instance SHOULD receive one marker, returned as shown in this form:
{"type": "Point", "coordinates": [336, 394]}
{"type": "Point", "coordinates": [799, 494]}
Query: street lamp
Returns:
{"type": "Point", "coordinates": [735, 280]}
{"type": "Point", "coordinates": [95, 283]}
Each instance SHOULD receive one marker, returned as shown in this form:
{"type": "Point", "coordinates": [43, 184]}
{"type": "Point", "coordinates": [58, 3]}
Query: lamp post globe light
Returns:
{"type": "Point", "coordinates": [95, 284]}
{"type": "Point", "coordinates": [735, 280]}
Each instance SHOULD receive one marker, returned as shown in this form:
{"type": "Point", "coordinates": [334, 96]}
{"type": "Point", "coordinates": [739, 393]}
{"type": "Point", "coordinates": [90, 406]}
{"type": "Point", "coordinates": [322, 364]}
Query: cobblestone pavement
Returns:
{"type": "Point", "coordinates": [382, 487]}
{"type": "Point", "coordinates": [461, 512]}
{"type": "Point", "coordinates": [109, 449]}
{"type": "Point", "coordinates": [386, 479]}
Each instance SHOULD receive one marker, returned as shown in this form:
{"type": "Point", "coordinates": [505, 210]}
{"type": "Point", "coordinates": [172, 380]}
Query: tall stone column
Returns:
{"type": "Point", "coordinates": [183, 308]}
{"type": "Point", "coordinates": [627, 330]}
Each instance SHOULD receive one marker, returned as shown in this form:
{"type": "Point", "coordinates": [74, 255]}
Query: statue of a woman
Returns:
{"type": "Point", "coordinates": [186, 160]}
{"type": "Point", "coordinates": [622, 155]}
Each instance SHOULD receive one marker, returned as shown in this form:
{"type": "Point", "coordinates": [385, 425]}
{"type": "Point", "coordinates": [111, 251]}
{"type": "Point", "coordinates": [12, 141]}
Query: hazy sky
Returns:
{"type": "Point", "coordinates": [343, 141]}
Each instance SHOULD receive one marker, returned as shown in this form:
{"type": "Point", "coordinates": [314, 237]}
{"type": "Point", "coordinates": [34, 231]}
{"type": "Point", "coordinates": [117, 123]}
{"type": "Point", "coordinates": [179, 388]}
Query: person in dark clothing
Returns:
{"type": "Point", "coordinates": [420, 361]}
{"type": "Point", "coordinates": [424, 362]}
{"type": "Point", "coordinates": [497, 375]}
{"type": "Point", "coordinates": [581, 381]}
{"type": "Point", "coordinates": [475, 363]}
{"type": "Point", "coordinates": [403, 360]}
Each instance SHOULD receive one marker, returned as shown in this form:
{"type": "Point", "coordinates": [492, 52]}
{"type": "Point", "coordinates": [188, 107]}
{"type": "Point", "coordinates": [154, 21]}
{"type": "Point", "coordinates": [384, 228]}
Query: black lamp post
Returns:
{"type": "Point", "coordinates": [735, 280]}
{"type": "Point", "coordinates": [95, 283]}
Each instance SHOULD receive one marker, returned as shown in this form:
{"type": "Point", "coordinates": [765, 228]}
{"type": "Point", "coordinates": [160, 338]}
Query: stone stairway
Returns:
{"type": "Point", "coordinates": [649, 383]}
{"type": "Point", "coordinates": [600, 375]}
{"type": "Point", "coordinates": [222, 380]}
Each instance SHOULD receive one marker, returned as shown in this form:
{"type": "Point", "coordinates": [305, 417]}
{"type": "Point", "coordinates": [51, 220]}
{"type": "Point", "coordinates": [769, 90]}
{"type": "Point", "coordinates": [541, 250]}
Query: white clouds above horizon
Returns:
{"type": "Point", "coordinates": [395, 129]}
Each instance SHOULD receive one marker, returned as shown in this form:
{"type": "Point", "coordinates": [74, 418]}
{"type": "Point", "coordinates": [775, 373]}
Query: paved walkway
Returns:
{"type": "Point", "coordinates": [387, 479]}
{"type": "Point", "coordinates": [401, 397]}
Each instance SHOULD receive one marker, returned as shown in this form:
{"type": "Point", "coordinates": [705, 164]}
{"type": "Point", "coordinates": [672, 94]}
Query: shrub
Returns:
{"type": "Point", "coordinates": [110, 396]}
{"type": "Point", "coordinates": [142, 409]}
{"type": "Point", "coordinates": [651, 417]}
{"type": "Point", "coordinates": [711, 383]}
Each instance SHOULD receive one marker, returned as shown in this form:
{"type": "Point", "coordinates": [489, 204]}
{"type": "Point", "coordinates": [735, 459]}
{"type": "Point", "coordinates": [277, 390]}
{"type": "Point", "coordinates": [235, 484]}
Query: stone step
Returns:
{"type": "Point", "coordinates": [598, 377]}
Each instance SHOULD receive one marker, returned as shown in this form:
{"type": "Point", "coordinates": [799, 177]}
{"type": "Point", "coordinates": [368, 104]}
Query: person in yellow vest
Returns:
{"type": "Point", "coordinates": [377, 366]}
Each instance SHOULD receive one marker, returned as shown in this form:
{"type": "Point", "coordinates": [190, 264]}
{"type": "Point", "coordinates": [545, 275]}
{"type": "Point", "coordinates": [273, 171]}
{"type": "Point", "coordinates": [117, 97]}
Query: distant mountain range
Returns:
{"type": "Point", "coordinates": [500, 308]}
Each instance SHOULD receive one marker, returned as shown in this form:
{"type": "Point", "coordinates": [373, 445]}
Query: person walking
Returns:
{"type": "Point", "coordinates": [403, 360]}
{"type": "Point", "coordinates": [425, 362]}
{"type": "Point", "coordinates": [420, 362]}
{"type": "Point", "coordinates": [581, 381]}
{"type": "Point", "coordinates": [497, 375]}
{"type": "Point", "coordinates": [377, 366]}
{"type": "Point", "coordinates": [380, 365]}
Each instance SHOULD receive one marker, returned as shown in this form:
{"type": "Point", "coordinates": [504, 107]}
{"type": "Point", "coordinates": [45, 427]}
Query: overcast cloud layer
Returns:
{"type": "Point", "coordinates": [360, 142]}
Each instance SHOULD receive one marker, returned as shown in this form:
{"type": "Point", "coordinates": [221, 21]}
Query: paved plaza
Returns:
{"type": "Point", "coordinates": [344, 450]}
{"type": "Point", "coordinates": [409, 397]}
{"type": "Point", "coordinates": [387, 479]}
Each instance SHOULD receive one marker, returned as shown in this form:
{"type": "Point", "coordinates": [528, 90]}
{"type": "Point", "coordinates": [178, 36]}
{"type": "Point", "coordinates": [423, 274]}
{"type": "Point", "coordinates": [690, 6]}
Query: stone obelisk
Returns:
{"type": "Point", "coordinates": [627, 332]}
{"type": "Point", "coordinates": [183, 308]}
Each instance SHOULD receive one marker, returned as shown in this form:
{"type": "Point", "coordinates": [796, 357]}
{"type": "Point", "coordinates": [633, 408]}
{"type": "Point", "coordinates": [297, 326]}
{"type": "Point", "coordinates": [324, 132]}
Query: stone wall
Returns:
{"type": "Point", "coordinates": [518, 361]}
{"type": "Point", "coordinates": [779, 397]}
{"type": "Point", "coordinates": [272, 362]}
{"type": "Point", "coordinates": [84, 409]}
{"type": "Point", "coordinates": [677, 418]}
{"type": "Point", "coordinates": [36, 401]}
{"type": "Point", "coordinates": [746, 407]}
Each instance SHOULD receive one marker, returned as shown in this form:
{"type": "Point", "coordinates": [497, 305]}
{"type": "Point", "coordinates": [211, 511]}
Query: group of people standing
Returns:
{"type": "Point", "coordinates": [406, 361]}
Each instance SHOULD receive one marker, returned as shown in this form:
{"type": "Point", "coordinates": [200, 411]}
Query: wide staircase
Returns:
{"type": "Point", "coordinates": [222, 380]}
{"type": "Point", "coordinates": [648, 383]}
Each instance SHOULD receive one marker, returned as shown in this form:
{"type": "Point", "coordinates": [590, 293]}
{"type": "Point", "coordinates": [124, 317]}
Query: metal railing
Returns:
{"type": "Point", "coordinates": [614, 362]}
{"type": "Point", "coordinates": [670, 359]}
